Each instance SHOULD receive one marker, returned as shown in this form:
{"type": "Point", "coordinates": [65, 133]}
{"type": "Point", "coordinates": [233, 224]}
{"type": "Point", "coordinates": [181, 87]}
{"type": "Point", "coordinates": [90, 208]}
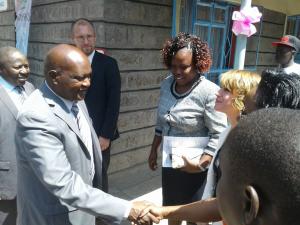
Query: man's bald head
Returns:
{"type": "Point", "coordinates": [6, 53]}
{"type": "Point", "coordinates": [14, 66]}
{"type": "Point", "coordinates": [67, 71]}
{"type": "Point", "coordinates": [63, 56]}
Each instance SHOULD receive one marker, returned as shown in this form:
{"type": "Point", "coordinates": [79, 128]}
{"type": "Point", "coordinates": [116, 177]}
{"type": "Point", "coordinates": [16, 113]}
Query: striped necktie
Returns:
{"type": "Point", "coordinates": [75, 111]}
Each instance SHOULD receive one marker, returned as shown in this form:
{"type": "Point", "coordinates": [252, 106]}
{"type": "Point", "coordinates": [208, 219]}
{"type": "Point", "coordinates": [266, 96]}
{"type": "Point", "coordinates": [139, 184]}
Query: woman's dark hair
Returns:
{"type": "Point", "coordinates": [278, 89]}
{"type": "Point", "coordinates": [201, 53]}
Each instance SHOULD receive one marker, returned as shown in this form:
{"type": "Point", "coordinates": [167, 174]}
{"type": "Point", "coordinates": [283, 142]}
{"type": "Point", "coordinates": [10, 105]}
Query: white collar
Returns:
{"type": "Point", "coordinates": [91, 56]}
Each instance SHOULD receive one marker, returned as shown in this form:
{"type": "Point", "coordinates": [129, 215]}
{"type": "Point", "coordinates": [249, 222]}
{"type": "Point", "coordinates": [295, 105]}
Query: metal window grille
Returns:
{"type": "Point", "coordinates": [211, 21]}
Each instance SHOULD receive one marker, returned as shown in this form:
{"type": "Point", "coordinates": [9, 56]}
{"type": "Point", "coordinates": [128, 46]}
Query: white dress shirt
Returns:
{"type": "Point", "coordinates": [294, 68]}
{"type": "Point", "coordinates": [91, 56]}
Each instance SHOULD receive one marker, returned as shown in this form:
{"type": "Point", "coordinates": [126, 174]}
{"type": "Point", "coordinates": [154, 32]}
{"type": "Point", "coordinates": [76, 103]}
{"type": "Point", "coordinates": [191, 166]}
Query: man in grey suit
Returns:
{"type": "Point", "coordinates": [58, 154]}
{"type": "Point", "coordinates": [14, 88]}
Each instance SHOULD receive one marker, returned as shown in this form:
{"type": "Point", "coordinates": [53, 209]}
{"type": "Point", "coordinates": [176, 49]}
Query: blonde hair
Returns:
{"type": "Point", "coordinates": [242, 83]}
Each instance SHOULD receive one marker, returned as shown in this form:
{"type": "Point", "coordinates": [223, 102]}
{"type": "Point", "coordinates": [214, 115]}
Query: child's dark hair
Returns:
{"type": "Point", "coordinates": [264, 151]}
{"type": "Point", "coordinates": [201, 53]}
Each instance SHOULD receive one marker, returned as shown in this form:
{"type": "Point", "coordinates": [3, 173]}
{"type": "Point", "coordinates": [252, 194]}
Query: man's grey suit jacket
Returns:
{"type": "Point", "coordinates": [55, 186]}
{"type": "Point", "coordinates": [8, 167]}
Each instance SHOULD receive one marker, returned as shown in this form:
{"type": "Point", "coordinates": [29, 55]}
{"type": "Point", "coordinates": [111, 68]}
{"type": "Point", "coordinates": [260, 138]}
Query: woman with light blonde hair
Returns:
{"type": "Point", "coordinates": [236, 95]}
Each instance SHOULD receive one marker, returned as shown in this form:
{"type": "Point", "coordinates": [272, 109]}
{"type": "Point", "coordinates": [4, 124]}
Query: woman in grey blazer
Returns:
{"type": "Point", "coordinates": [186, 109]}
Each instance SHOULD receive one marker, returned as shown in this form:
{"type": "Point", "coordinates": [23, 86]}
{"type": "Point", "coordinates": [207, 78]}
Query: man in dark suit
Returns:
{"type": "Point", "coordinates": [103, 97]}
{"type": "Point", "coordinates": [14, 88]}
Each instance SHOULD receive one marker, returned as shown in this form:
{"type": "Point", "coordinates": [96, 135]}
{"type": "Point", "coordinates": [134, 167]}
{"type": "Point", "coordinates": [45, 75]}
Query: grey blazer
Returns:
{"type": "Point", "coordinates": [55, 186]}
{"type": "Point", "coordinates": [8, 168]}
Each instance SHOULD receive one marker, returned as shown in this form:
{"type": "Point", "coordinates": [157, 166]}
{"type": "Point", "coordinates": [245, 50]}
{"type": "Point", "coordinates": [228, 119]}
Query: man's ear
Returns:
{"type": "Point", "coordinates": [251, 204]}
{"type": "Point", "coordinates": [53, 74]}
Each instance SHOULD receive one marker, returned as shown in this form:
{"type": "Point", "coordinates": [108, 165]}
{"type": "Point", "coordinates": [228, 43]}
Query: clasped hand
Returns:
{"type": "Point", "coordinates": [144, 213]}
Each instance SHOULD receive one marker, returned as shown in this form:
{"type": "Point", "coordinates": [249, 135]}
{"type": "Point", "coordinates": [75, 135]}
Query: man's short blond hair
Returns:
{"type": "Point", "coordinates": [82, 22]}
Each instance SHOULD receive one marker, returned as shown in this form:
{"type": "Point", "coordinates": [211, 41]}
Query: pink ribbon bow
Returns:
{"type": "Point", "coordinates": [243, 21]}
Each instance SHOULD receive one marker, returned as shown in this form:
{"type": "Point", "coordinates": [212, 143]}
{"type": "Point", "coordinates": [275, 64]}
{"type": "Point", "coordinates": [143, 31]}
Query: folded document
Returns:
{"type": "Point", "coordinates": [175, 147]}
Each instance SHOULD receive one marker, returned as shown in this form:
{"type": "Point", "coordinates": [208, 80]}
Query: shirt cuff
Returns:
{"type": "Point", "coordinates": [126, 214]}
{"type": "Point", "coordinates": [209, 152]}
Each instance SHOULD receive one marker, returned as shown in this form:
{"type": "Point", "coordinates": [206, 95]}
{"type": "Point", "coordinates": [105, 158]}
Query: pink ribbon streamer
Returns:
{"type": "Point", "coordinates": [243, 21]}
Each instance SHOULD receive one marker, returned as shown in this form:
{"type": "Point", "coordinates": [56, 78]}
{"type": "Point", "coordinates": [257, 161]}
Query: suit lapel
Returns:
{"type": "Point", "coordinates": [60, 110]}
{"type": "Point", "coordinates": [28, 88]}
{"type": "Point", "coordinates": [95, 140]}
{"type": "Point", "coordinates": [8, 102]}
{"type": "Point", "coordinates": [85, 112]}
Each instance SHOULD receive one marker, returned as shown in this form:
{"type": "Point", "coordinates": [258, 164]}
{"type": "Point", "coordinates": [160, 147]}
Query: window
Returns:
{"type": "Point", "coordinates": [211, 21]}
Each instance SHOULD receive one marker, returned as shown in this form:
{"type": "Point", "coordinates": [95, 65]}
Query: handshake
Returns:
{"type": "Point", "coordinates": [145, 213]}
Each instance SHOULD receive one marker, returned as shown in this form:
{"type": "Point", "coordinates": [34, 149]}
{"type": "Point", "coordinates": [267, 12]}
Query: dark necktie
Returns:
{"type": "Point", "coordinates": [75, 111]}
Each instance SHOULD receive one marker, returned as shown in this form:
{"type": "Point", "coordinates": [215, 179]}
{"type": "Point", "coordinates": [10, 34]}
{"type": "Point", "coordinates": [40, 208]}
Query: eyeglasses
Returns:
{"type": "Point", "coordinates": [83, 38]}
